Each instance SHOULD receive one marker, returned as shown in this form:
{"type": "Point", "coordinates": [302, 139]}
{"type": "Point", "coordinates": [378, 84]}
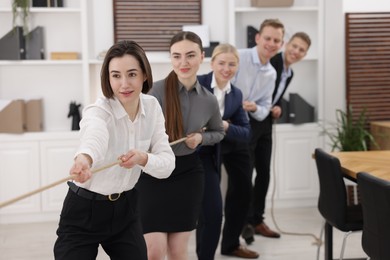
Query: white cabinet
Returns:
{"type": "Point", "coordinates": [19, 172]}
{"type": "Point", "coordinates": [293, 167]}
{"type": "Point", "coordinates": [56, 158]}
{"type": "Point", "coordinates": [31, 161]}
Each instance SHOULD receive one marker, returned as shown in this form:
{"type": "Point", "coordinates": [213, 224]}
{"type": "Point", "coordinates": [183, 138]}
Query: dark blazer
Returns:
{"type": "Point", "coordinates": [277, 63]}
{"type": "Point", "coordinates": [239, 129]}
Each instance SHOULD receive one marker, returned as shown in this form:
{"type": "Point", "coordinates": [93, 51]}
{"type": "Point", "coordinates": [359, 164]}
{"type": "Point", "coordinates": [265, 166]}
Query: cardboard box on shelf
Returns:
{"type": "Point", "coordinates": [19, 116]}
{"type": "Point", "coordinates": [64, 55]}
{"type": "Point", "coordinates": [12, 116]}
{"type": "Point", "coordinates": [271, 3]}
{"type": "Point", "coordinates": [34, 115]}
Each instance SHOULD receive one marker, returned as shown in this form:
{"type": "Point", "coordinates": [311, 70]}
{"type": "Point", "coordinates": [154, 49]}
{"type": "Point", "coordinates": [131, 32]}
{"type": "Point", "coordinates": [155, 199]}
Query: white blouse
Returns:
{"type": "Point", "coordinates": [106, 132]}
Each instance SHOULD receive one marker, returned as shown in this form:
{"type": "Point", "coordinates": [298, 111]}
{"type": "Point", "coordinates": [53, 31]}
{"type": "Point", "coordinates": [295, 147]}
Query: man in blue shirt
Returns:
{"type": "Point", "coordinates": [256, 78]}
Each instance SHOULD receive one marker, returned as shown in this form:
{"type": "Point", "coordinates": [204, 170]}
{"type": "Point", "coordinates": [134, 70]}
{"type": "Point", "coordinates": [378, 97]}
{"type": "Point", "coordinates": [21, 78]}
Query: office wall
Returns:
{"type": "Point", "coordinates": [366, 5]}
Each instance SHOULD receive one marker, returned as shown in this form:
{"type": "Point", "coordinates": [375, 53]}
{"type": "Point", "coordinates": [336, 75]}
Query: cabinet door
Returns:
{"type": "Point", "coordinates": [56, 160]}
{"type": "Point", "coordinates": [295, 168]}
{"type": "Point", "coordinates": [19, 174]}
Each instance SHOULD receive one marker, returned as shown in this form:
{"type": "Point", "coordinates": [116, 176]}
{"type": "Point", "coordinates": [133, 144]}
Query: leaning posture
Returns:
{"type": "Point", "coordinates": [127, 125]}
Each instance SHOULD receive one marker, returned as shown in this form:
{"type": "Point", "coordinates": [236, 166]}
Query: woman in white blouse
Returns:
{"type": "Point", "coordinates": [125, 124]}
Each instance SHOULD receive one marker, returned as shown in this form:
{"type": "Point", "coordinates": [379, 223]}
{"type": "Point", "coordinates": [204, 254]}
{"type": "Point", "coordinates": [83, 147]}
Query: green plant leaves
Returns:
{"type": "Point", "coordinates": [350, 134]}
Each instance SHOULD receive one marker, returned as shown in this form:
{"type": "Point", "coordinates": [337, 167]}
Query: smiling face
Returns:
{"type": "Point", "coordinates": [269, 42]}
{"type": "Point", "coordinates": [126, 79]}
{"type": "Point", "coordinates": [186, 58]}
{"type": "Point", "coordinates": [224, 66]}
{"type": "Point", "coordinates": [295, 50]}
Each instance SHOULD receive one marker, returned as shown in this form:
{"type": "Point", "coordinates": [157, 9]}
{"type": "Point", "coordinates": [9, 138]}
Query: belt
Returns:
{"type": "Point", "coordinates": [90, 195]}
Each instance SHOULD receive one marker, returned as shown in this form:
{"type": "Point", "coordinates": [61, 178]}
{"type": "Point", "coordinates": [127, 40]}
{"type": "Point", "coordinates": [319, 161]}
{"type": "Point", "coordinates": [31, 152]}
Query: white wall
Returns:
{"type": "Point", "coordinates": [366, 5]}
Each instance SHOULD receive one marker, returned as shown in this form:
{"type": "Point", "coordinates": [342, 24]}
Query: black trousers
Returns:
{"type": "Point", "coordinates": [261, 151]}
{"type": "Point", "coordinates": [86, 223]}
{"type": "Point", "coordinates": [236, 159]}
{"type": "Point", "coordinates": [209, 225]}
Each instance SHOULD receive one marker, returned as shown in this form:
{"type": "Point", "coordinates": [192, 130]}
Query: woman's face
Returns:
{"type": "Point", "coordinates": [126, 78]}
{"type": "Point", "coordinates": [186, 58]}
{"type": "Point", "coordinates": [224, 66]}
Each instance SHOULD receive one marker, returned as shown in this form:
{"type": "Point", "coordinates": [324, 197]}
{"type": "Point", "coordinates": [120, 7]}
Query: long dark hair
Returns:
{"type": "Point", "coordinates": [173, 115]}
{"type": "Point", "coordinates": [119, 50]}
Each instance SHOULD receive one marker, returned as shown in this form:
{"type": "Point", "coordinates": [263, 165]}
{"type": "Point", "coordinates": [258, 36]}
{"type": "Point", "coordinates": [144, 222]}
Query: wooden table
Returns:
{"type": "Point", "coordinates": [376, 163]}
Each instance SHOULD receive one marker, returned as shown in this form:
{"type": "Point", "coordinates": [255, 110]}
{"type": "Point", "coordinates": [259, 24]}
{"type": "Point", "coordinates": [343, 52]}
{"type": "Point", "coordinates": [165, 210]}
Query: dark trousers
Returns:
{"type": "Point", "coordinates": [210, 220]}
{"type": "Point", "coordinates": [115, 225]}
{"type": "Point", "coordinates": [236, 159]}
{"type": "Point", "coordinates": [260, 150]}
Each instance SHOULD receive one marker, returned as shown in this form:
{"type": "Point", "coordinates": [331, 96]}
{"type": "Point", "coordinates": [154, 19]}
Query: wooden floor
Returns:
{"type": "Point", "coordinates": [35, 241]}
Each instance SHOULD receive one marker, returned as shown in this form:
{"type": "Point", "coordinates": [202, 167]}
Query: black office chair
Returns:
{"type": "Point", "coordinates": [375, 198]}
{"type": "Point", "coordinates": [332, 201]}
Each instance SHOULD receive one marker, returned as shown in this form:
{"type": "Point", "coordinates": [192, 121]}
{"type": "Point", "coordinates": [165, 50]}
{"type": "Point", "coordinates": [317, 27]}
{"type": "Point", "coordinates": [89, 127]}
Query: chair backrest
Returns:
{"type": "Point", "coordinates": [332, 201]}
{"type": "Point", "coordinates": [375, 199]}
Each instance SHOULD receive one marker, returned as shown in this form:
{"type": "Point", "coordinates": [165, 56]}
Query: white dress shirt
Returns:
{"type": "Point", "coordinates": [107, 132]}
{"type": "Point", "coordinates": [220, 93]}
{"type": "Point", "coordinates": [256, 81]}
{"type": "Point", "coordinates": [286, 73]}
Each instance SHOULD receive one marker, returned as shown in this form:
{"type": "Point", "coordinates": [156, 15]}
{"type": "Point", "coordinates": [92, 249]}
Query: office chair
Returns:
{"type": "Point", "coordinates": [375, 198]}
{"type": "Point", "coordinates": [332, 201]}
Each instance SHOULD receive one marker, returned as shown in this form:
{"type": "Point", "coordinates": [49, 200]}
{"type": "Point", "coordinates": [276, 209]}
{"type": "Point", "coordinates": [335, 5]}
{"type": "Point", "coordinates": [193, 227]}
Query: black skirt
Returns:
{"type": "Point", "coordinates": [172, 204]}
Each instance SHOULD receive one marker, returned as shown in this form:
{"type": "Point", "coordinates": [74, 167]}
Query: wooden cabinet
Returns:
{"type": "Point", "coordinates": [380, 130]}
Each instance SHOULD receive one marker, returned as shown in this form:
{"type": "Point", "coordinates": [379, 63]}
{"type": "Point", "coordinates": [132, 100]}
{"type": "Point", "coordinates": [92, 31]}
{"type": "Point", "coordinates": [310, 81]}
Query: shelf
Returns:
{"type": "Point", "coordinates": [46, 10]}
{"type": "Point", "coordinates": [32, 136]}
{"type": "Point", "coordinates": [39, 62]}
{"type": "Point", "coordinates": [274, 9]}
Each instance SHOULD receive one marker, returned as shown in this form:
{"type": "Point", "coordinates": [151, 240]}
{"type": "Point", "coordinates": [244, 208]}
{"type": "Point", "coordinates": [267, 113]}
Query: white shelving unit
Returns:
{"type": "Point", "coordinates": [31, 160]}
{"type": "Point", "coordinates": [57, 82]}
{"type": "Point", "coordinates": [304, 15]}
{"type": "Point", "coordinates": [293, 168]}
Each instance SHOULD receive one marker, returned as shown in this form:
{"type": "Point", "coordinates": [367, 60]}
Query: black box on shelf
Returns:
{"type": "Point", "coordinates": [284, 118]}
{"type": "Point", "coordinates": [12, 45]}
{"type": "Point", "coordinates": [209, 50]}
{"type": "Point", "coordinates": [300, 111]}
{"type": "Point", "coordinates": [47, 3]}
{"type": "Point", "coordinates": [251, 36]}
{"type": "Point", "coordinates": [35, 44]}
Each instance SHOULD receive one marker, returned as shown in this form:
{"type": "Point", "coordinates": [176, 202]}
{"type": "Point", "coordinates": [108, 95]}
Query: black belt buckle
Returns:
{"type": "Point", "coordinates": [114, 196]}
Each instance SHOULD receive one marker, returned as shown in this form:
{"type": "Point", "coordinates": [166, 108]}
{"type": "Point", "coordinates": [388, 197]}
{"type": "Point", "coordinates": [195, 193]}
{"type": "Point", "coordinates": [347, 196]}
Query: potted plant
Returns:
{"type": "Point", "coordinates": [21, 9]}
{"type": "Point", "coordinates": [348, 134]}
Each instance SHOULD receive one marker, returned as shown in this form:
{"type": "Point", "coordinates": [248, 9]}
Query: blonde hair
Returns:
{"type": "Point", "coordinates": [225, 48]}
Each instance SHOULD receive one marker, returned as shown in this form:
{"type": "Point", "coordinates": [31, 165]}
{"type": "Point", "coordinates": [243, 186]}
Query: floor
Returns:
{"type": "Point", "coordinates": [35, 241]}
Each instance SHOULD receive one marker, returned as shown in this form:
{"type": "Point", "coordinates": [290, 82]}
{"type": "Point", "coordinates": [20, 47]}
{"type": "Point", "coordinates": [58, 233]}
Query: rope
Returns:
{"type": "Point", "coordinates": [51, 185]}
{"type": "Point", "coordinates": [317, 240]}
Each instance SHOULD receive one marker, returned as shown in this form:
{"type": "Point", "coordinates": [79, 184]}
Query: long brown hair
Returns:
{"type": "Point", "coordinates": [173, 116]}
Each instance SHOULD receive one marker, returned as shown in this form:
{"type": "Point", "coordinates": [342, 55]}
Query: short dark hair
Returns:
{"type": "Point", "coordinates": [119, 50]}
{"type": "Point", "coordinates": [303, 36]}
{"type": "Point", "coordinates": [275, 23]}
